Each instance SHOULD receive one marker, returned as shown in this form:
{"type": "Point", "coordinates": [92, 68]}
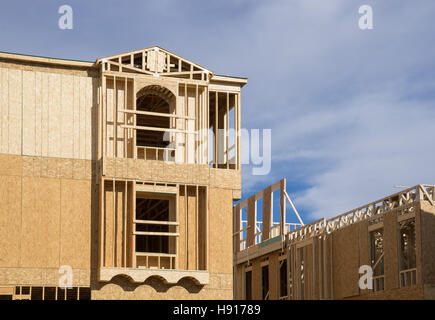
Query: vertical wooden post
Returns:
{"type": "Point", "coordinates": [102, 220]}
{"type": "Point", "coordinates": [186, 113]}
{"type": "Point", "coordinates": [197, 126]}
{"type": "Point", "coordinates": [186, 208]}
{"type": "Point", "coordinates": [197, 227]}
{"type": "Point", "coordinates": [207, 255]}
{"type": "Point", "coordinates": [282, 206]}
{"type": "Point", "coordinates": [133, 247]}
{"type": "Point", "coordinates": [124, 233]}
{"type": "Point", "coordinates": [177, 219]}
{"type": "Point", "coordinates": [114, 223]}
{"type": "Point", "coordinates": [227, 141]}
{"type": "Point", "coordinates": [104, 109]}
{"type": "Point", "coordinates": [236, 143]}
{"type": "Point", "coordinates": [125, 119]}
{"type": "Point", "coordinates": [135, 122]}
{"type": "Point", "coordinates": [216, 136]}
{"type": "Point", "coordinates": [239, 128]}
{"type": "Point", "coordinates": [115, 118]}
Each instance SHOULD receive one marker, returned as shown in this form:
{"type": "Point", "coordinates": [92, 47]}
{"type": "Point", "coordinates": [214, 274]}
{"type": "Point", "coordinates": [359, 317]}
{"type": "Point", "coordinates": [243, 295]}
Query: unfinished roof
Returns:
{"type": "Point", "coordinates": [154, 61]}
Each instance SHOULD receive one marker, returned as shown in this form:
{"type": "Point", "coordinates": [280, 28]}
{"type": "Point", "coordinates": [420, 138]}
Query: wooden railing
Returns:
{"type": "Point", "coordinates": [156, 153]}
{"type": "Point", "coordinates": [408, 277]}
{"type": "Point", "coordinates": [378, 283]}
{"type": "Point", "coordinates": [154, 259]}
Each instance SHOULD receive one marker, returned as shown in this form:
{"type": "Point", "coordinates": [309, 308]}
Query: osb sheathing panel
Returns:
{"type": "Point", "coordinates": [40, 235]}
{"type": "Point", "coordinates": [191, 232]}
{"type": "Point", "coordinates": [407, 293]}
{"type": "Point", "coordinates": [41, 111]}
{"type": "Point", "coordinates": [182, 259]}
{"type": "Point", "coordinates": [75, 223]}
{"type": "Point", "coordinates": [10, 221]}
{"type": "Point", "coordinates": [44, 68]}
{"type": "Point", "coordinates": [41, 276]}
{"type": "Point", "coordinates": [273, 276]}
{"type": "Point", "coordinates": [346, 261]}
{"type": "Point", "coordinates": [160, 171]}
{"type": "Point", "coordinates": [390, 250]}
{"type": "Point", "coordinates": [256, 280]}
{"type": "Point", "coordinates": [427, 224]}
{"type": "Point", "coordinates": [220, 227]}
{"type": "Point", "coordinates": [364, 258]}
{"type": "Point", "coordinates": [47, 218]}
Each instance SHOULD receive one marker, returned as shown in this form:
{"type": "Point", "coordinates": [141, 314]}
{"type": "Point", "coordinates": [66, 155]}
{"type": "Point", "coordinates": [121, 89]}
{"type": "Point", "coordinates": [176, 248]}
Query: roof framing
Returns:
{"type": "Point", "coordinates": [155, 61]}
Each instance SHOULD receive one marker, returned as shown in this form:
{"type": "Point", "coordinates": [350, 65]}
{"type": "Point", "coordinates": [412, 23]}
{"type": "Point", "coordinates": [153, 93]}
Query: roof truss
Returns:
{"type": "Point", "coordinates": [157, 62]}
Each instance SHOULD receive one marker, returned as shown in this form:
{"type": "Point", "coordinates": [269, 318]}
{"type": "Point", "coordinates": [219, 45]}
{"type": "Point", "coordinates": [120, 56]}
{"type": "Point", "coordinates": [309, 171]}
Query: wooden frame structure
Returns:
{"type": "Point", "coordinates": [87, 147]}
{"type": "Point", "coordinates": [315, 253]}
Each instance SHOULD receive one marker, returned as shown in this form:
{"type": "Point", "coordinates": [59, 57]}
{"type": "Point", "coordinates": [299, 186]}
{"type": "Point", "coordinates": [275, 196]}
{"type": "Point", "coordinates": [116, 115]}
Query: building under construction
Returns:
{"type": "Point", "coordinates": [117, 177]}
{"type": "Point", "coordinates": [277, 257]}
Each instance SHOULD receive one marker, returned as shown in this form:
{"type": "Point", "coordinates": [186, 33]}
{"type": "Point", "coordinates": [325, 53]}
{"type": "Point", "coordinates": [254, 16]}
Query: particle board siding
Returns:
{"type": "Point", "coordinates": [40, 222]}
{"type": "Point", "coordinates": [76, 118]}
{"type": "Point", "coordinates": [91, 118]}
{"type": "Point", "coordinates": [10, 221]}
{"type": "Point", "coordinates": [15, 111]}
{"type": "Point", "coordinates": [45, 115]}
{"type": "Point", "coordinates": [345, 262]}
{"type": "Point", "coordinates": [4, 115]}
{"type": "Point", "coordinates": [66, 142]}
{"type": "Point", "coordinates": [29, 114]}
{"type": "Point", "coordinates": [182, 229]}
{"type": "Point", "coordinates": [75, 223]}
{"type": "Point", "coordinates": [191, 234]}
{"type": "Point", "coordinates": [221, 231]}
{"type": "Point", "coordinates": [119, 196]}
{"type": "Point", "coordinates": [82, 117]}
{"type": "Point", "coordinates": [274, 269]}
{"type": "Point", "coordinates": [108, 227]}
{"type": "Point", "coordinates": [391, 268]}
{"type": "Point", "coordinates": [426, 225]}
{"type": "Point", "coordinates": [54, 118]}
{"type": "Point", "coordinates": [42, 110]}
{"type": "Point", "coordinates": [38, 113]}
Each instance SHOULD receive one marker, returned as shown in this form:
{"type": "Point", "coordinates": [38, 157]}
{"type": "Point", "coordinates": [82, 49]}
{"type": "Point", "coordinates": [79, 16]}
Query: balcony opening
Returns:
{"type": "Point", "coordinates": [377, 258]}
{"type": "Point", "coordinates": [155, 110]}
{"type": "Point", "coordinates": [407, 253]}
{"type": "Point", "coordinates": [155, 231]}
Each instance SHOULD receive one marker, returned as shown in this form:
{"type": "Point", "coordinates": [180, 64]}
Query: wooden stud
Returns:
{"type": "Point", "coordinates": [216, 138]}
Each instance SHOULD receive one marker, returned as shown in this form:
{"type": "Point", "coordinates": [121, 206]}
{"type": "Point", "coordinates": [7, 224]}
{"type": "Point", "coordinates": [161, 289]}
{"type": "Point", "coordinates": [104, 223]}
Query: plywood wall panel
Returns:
{"type": "Point", "coordinates": [221, 245]}
{"type": "Point", "coordinates": [38, 113]}
{"type": "Point", "coordinates": [10, 221]}
{"type": "Point", "coordinates": [91, 118]}
{"type": "Point", "coordinates": [45, 115]}
{"type": "Point", "coordinates": [108, 227]}
{"type": "Point", "coordinates": [29, 106]}
{"type": "Point", "coordinates": [15, 111]}
{"type": "Point", "coordinates": [54, 116]}
{"type": "Point", "coordinates": [66, 142]}
{"type": "Point", "coordinates": [191, 203]}
{"type": "Point", "coordinates": [182, 229]}
{"type": "Point", "coordinates": [76, 117]}
{"type": "Point", "coordinates": [4, 109]}
{"type": "Point", "coordinates": [75, 223]}
{"type": "Point", "coordinates": [40, 222]}
{"type": "Point", "coordinates": [82, 118]}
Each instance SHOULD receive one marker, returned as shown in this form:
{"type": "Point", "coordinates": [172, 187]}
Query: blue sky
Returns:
{"type": "Point", "coordinates": [352, 112]}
